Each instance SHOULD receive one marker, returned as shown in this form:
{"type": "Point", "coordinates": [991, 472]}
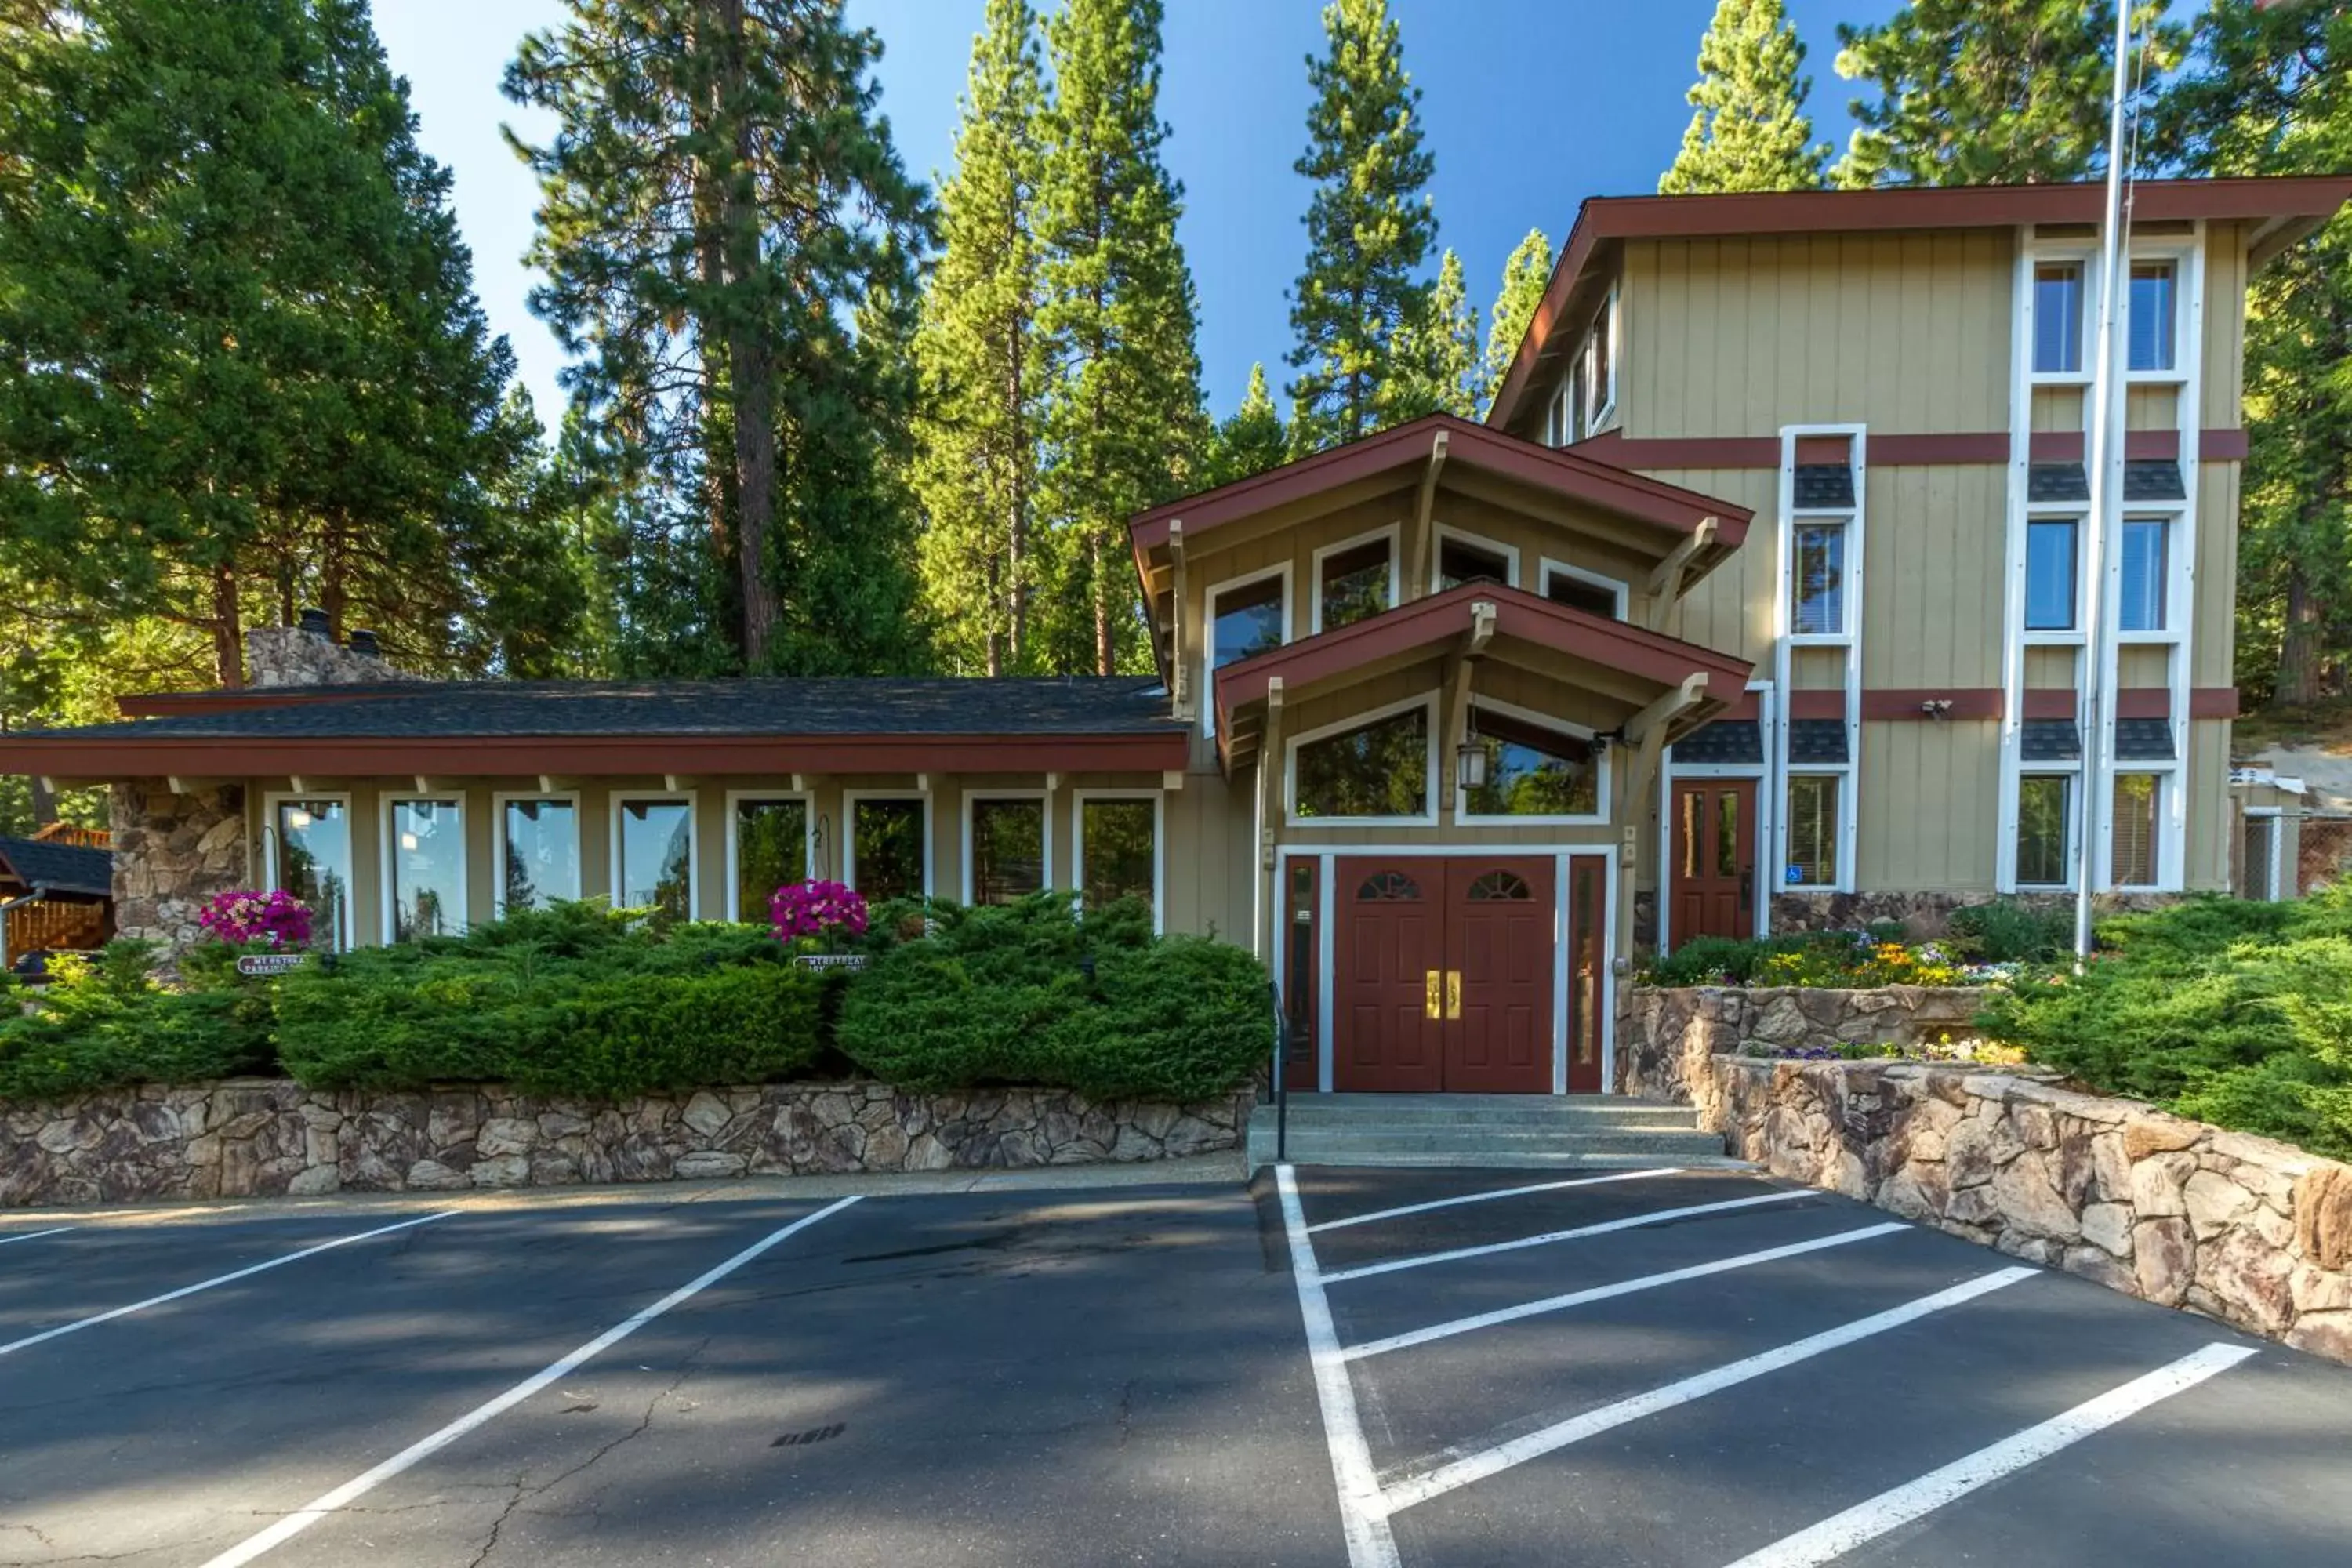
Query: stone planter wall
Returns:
{"type": "Point", "coordinates": [1667, 1035]}
{"type": "Point", "coordinates": [2241, 1228]}
{"type": "Point", "coordinates": [266, 1137]}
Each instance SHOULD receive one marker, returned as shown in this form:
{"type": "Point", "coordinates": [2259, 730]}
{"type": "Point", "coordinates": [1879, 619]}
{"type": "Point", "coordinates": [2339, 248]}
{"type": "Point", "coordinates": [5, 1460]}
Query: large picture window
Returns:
{"type": "Point", "coordinates": [1814, 831]}
{"type": "Point", "coordinates": [2051, 554]}
{"type": "Point", "coordinates": [1119, 850]}
{"type": "Point", "coordinates": [538, 853]}
{"type": "Point", "coordinates": [314, 857]}
{"type": "Point", "coordinates": [653, 856]}
{"type": "Point", "coordinates": [1351, 584]}
{"type": "Point", "coordinates": [2137, 799]}
{"type": "Point", "coordinates": [1374, 770]}
{"type": "Point", "coordinates": [1817, 588]}
{"type": "Point", "coordinates": [1532, 771]}
{"type": "Point", "coordinates": [425, 860]}
{"type": "Point", "coordinates": [2058, 318]}
{"type": "Point", "coordinates": [2141, 606]}
{"type": "Point", "coordinates": [2044, 805]}
{"type": "Point", "coordinates": [1008, 849]}
{"type": "Point", "coordinates": [771, 850]}
{"type": "Point", "coordinates": [887, 847]}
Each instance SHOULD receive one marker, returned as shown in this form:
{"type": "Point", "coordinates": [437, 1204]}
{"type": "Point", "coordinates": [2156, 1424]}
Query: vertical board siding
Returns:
{"type": "Point", "coordinates": [1927, 808]}
{"type": "Point", "coordinates": [1932, 614]}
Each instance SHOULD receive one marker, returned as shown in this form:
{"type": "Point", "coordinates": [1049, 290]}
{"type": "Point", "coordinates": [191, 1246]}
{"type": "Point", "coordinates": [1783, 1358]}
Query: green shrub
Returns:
{"type": "Point", "coordinates": [2007, 931]}
{"type": "Point", "coordinates": [102, 1021]}
{"type": "Point", "coordinates": [1034, 994]}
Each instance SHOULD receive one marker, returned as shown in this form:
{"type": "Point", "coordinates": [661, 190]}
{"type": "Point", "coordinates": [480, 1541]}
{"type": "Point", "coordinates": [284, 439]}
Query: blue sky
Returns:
{"type": "Point", "coordinates": [1529, 105]}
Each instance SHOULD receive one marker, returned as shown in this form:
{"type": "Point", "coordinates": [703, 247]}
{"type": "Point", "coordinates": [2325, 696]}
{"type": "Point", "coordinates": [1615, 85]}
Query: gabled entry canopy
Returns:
{"type": "Point", "coordinates": [1625, 670]}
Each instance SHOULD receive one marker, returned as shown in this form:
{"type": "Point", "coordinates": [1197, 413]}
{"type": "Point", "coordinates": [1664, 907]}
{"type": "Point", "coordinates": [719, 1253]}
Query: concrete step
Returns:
{"type": "Point", "coordinates": [1500, 1160]}
{"type": "Point", "coordinates": [1497, 1110]}
{"type": "Point", "coordinates": [1501, 1130]}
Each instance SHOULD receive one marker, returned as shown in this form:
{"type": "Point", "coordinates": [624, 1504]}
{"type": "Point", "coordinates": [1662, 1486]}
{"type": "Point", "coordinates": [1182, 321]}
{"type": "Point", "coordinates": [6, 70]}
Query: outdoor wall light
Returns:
{"type": "Point", "coordinates": [1470, 759]}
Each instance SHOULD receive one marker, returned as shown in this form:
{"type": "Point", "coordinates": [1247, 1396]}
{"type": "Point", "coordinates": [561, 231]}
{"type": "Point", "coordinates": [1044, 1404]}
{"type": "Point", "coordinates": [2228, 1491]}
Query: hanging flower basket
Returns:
{"type": "Point", "coordinates": [821, 918]}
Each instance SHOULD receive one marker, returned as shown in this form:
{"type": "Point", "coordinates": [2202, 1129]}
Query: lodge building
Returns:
{"type": "Point", "coordinates": [1756, 603]}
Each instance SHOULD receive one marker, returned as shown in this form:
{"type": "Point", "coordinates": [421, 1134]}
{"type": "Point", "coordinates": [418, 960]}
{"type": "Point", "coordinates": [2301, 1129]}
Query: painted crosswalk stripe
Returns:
{"type": "Point", "coordinates": [1489, 1197]}
{"type": "Point", "coordinates": [230, 1279]}
{"type": "Point", "coordinates": [36, 1235]}
{"type": "Point", "coordinates": [1363, 1521]}
{"type": "Point", "coordinates": [1476, 1466]}
{"type": "Point", "coordinates": [1658, 1216]}
{"type": "Point", "coordinates": [1621, 1287]}
{"type": "Point", "coordinates": [1834, 1538]}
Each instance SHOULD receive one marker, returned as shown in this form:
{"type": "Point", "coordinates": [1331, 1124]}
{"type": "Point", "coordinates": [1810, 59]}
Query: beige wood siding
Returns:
{"type": "Point", "coordinates": [2051, 668]}
{"type": "Point", "coordinates": [1928, 810]}
{"type": "Point", "coordinates": [2225, 327]}
{"type": "Point", "coordinates": [2058, 408]}
{"type": "Point", "coordinates": [2152, 409]}
{"type": "Point", "coordinates": [2211, 660]}
{"type": "Point", "coordinates": [1732, 608]}
{"type": "Point", "coordinates": [2208, 784]}
{"type": "Point", "coordinates": [1931, 607]}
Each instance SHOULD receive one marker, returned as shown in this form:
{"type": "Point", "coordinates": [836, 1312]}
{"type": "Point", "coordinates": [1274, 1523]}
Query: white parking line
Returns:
{"type": "Point", "coordinates": [1622, 1287]}
{"type": "Point", "coordinates": [303, 1518]}
{"type": "Point", "coordinates": [1363, 1521]}
{"type": "Point", "coordinates": [245, 1273]}
{"type": "Point", "coordinates": [1834, 1537]}
{"type": "Point", "coordinates": [1477, 1467]}
{"type": "Point", "coordinates": [1489, 1197]}
{"type": "Point", "coordinates": [1658, 1217]}
{"type": "Point", "coordinates": [36, 1235]}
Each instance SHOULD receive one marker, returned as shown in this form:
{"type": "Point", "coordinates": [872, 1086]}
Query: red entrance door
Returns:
{"type": "Point", "coordinates": [1444, 973]}
{"type": "Point", "coordinates": [1714, 883]}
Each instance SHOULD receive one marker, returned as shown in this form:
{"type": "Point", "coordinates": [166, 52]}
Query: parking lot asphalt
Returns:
{"type": "Point", "coordinates": [1332, 1366]}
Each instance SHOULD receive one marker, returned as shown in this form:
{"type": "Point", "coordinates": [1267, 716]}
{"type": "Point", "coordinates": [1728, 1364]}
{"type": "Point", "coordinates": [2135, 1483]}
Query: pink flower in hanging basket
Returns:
{"type": "Point", "coordinates": [817, 908]}
{"type": "Point", "coordinates": [247, 917]}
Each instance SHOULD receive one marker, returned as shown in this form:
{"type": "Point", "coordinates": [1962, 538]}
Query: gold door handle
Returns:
{"type": "Point", "coordinates": [1432, 1005]}
{"type": "Point", "coordinates": [1454, 993]}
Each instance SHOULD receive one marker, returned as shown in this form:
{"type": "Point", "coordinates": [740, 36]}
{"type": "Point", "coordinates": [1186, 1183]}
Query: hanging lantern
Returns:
{"type": "Point", "coordinates": [1470, 760]}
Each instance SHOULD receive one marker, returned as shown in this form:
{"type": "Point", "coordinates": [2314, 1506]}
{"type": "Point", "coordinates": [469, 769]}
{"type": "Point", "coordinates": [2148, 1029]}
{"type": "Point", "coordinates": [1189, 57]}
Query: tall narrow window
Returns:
{"type": "Point", "coordinates": [2041, 829]}
{"type": "Point", "coordinates": [1532, 771]}
{"type": "Point", "coordinates": [653, 864]}
{"type": "Point", "coordinates": [2152, 315]}
{"type": "Point", "coordinates": [886, 847]}
{"type": "Point", "coordinates": [1008, 849]}
{"type": "Point", "coordinates": [314, 864]}
{"type": "Point", "coordinates": [1380, 769]}
{"type": "Point", "coordinates": [1119, 850]}
{"type": "Point", "coordinates": [1244, 622]}
{"type": "Point", "coordinates": [2141, 604]}
{"type": "Point", "coordinates": [1600, 395]}
{"type": "Point", "coordinates": [2138, 797]}
{"type": "Point", "coordinates": [428, 863]}
{"type": "Point", "coordinates": [2058, 318]}
{"type": "Point", "coordinates": [2050, 557]}
{"type": "Point", "coordinates": [1818, 585]}
{"type": "Point", "coordinates": [1812, 831]}
{"type": "Point", "coordinates": [1460, 561]}
{"type": "Point", "coordinates": [1352, 584]}
{"type": "Point", "coordinates": [771, 850]}
{"type": "Point", "coordinates": [540, 851]}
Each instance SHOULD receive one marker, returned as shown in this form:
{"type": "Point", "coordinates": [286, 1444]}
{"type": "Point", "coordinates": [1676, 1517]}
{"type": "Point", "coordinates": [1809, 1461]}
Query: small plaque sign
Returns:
{"type": "Point", "coordinates": [269, 962]}
{"type": "Point", "coordinates": [830, 960]}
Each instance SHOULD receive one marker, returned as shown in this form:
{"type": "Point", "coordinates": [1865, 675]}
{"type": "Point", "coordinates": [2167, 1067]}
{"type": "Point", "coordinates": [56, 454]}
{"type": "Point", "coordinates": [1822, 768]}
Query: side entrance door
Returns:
{"type": "Point", "coordinates": [1714, 883]}
{"type": "Point", "coordinates": [1444, 973]}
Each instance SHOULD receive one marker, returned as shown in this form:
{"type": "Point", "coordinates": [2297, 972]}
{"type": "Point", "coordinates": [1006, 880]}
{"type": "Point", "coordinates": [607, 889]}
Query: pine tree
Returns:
{"type": "Point", "coordinates": [2270, 92]}
{"type": "Point", "coordinates": [1525, 277]}
{"type": "Point", "coordinates": [721, 193]}
{"type": "Point", "coordinates": [1749, 129]}
{"type": "Point", "coordinates": [1989, 91]}
{"type": "Point", "coordinates": [1435, 370]}
{"type": "Point", "coordinates": [1123, 417]}
{"type": "Point", "coordinates": [1252, 439]}
{"type": "Point", "coordinates": [978, 429]}
{"type": "Point", "coordinates": [1370, 229]}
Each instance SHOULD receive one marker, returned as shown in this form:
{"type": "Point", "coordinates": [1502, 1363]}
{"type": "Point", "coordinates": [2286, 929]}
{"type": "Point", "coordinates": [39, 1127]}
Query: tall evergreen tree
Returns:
{"type": "Point", "coordinates": [1252, 439]}
{"type": "Point", "coordinates": [1370, 229]}
{"type": "Point", "coordinates": [1123, 413]}
{"type": "Point", "coordinates": [2270, 92]}
{"type": "Point", "coordinates": [978, 432]}
{"type": "Point", "coordinates": [1989, 91]}
{"type": "Point", "coordinates": [1749, 129]}
{"type": "Point", "coordinates": [719, 196]}
{"type": "Point", "coordinates": [1525, 276]}
{"type": "Point", "coordinates": [1435, 367]}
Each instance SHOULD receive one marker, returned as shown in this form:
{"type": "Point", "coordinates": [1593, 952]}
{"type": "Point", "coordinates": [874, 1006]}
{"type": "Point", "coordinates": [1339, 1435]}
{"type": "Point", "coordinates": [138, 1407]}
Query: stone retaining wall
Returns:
{"type": "Point", "coordinates": [2241, 1228]}
{"type": "Point", "coordinates": [1667, 1035]}
{"type": "Point", "coordinates": [266, 1137]}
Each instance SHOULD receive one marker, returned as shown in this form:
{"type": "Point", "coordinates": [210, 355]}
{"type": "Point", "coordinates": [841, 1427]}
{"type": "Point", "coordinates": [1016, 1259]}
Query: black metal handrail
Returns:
{"type": "Point", "coordinates": [1281, 1075]}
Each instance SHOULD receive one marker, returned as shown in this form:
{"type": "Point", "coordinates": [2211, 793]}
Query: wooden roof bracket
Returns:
{"type": "Point", "coordinates": [1424, 532]}
{"type": "Point", "coordinates": [1269, 816]}
{"type": "Point", "coordinates": [1457, 694]}
{"type": "Point", "coordinates": [1665, 584]}
{"type": "Point", "coordinates": [1180, 673]}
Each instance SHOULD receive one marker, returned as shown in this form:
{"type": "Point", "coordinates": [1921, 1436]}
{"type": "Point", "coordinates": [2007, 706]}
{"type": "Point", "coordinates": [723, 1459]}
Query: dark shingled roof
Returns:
{"type": "Point", "coordinates": [1824, 485]}
{"type": "Point", "coordinates": [2143, 740]}
{"type": "Point", "coordinates": [60, 868]}
{"type": "Point", "coordinates": [2057, 482]}
{"type": "Point", "coordinates": [2050, 741]}
{"type": "Point", "coordinates": [759, 706]}
{"type": "Point", "coordinates": [1727, 741]}
{"type": "Point", "coordinates": [1817, 741]}
{"type": "Point", "coordinates": [2154, 481]}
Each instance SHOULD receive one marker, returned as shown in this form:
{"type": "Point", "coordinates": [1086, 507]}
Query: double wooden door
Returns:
{"type": "Point", "coordinates": [1444, 973]}
{"type": "Point", "coordinates": [1713, 888]}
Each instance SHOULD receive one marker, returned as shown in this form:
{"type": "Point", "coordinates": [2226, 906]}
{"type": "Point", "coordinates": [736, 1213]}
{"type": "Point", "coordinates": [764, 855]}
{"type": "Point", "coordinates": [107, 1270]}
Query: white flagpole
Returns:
{"type": "Point", "coordinates": [2105, 384]}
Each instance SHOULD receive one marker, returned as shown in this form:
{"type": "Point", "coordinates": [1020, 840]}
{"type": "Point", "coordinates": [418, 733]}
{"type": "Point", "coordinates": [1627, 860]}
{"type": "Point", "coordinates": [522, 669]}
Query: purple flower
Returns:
{"type": "Point", "coordinates": [817, 908]}
{"type": "Point", "coordinates": [247, 917]}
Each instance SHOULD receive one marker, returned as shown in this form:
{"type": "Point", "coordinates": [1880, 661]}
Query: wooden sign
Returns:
{"type": "Point", "coordinates": [269, 962]}
{"type": "Point", "coordinates": [831, 960]}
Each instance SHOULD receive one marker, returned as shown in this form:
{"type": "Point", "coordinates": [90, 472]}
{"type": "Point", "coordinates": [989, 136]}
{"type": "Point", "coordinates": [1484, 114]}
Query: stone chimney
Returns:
{"type": "Point", "coordinates": [306, 654]}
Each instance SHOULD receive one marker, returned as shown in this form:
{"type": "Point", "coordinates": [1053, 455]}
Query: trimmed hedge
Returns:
{"type": "Point", "coordinates": [101, 1021]}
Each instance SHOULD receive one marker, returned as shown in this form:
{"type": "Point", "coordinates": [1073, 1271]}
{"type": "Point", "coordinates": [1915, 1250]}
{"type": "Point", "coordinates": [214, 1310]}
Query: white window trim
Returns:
{"type": "Point", "coordinates": [849, 799]}
{"type": "Point", "coordinates": [2184, 348]}
{"type": "Point", "coordinates": [2053, 512]}
{"type": "Point", "coordinates": [613, 869]}
{"type": "Point", "coordinates": [1551, 568]}
{"type": "Point", "coordinates": [1209, 633]}
{"type": "Point", "coordinates": [1606, 371]}
{"type": "Point", "coordinates": [1788, 641]}
{"type": "Point", "coordinates": [1844, 881]}
{"type": "Point", "coordinates": [2179, 601]}
{"type": "Point", "coordinates": [1392, 533]}
{"type": "Point", "coordinates": [388, 844]}
{"type": "Point", "coordinates": [2072, 774]}
{"type": "Point", "coordinates": [1602, 767]}
{"type": "Point", "coordinates": [1045, 825]}
{"type": "Point", "coordinates": [1158, 799]}
{"type": "Point", "coordinates": [498, 800]}
{"type": "Point", "coordinates": [736, 797]}
{"type": "Point", "coordinates": [2167, 775]}
{"type": "Point", "coordinates": [1509, 553]}
{"type": "Point", "coordinates": [349, 935]}
{"type": "Point", "coordinates": [2088, 259]}
{"type": "Point", "coordinates": [1428, 702]}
